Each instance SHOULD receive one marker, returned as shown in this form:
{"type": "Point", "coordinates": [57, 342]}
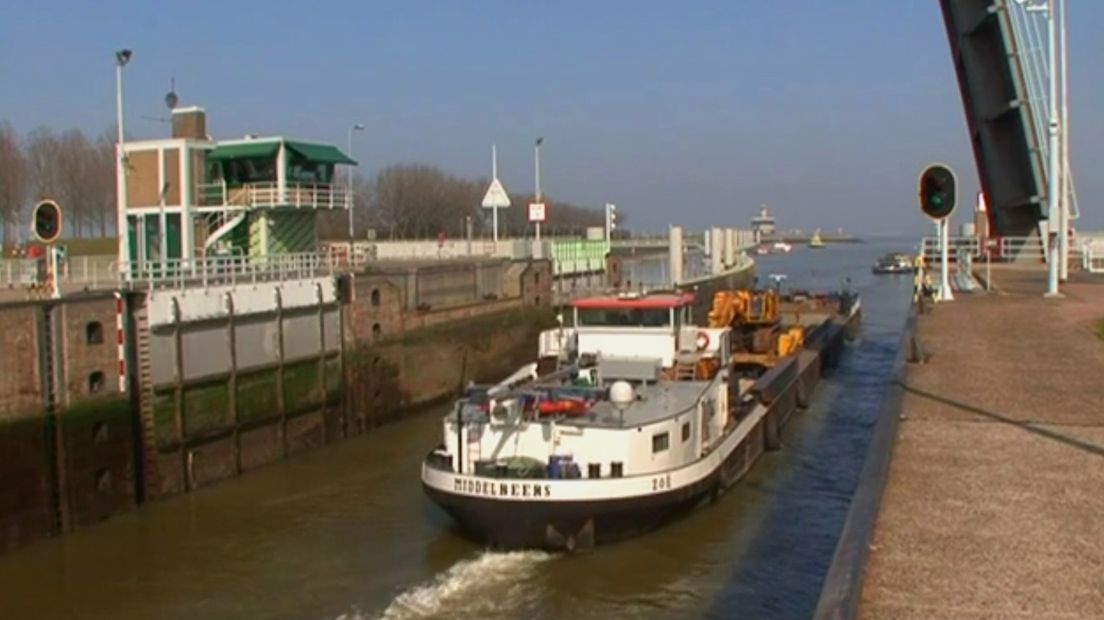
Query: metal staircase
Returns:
{"type": "Point", "coordinates": [220, 224]}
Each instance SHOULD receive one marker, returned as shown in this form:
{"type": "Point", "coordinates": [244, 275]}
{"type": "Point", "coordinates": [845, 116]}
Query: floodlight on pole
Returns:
{"type": "Point", "coordinates": [350, 202]}
{"type": "Point", "coordinates": [122, 228]}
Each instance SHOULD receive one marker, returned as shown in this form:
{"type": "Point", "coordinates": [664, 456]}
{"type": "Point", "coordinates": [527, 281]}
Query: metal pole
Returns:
{"type": "Point", "coordinates": [945, 293]}
{"type": "Point", "coordinates": [537, 178]}
{"type": "Point", "coordinates": [349, 192]}
{"type": "Point", "coordinates": [494, 210]}
{"type": "Point", "coordinates": [1063, 273]}
{"type": "Point", "coordinates": [988, 270]}
{"type": "Point", "coordinates": [351, 203]}
{"type": "Point", "coordinates": [122, 229]}
{"type": "Point", "coordinates": [1053, 176]}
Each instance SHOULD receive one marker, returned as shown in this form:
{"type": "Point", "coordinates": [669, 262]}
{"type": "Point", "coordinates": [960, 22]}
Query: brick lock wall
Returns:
{"type": "Point", "coordinates": [20, 384]}
{"type": "Point", "coordinates": [364, 314]}
{"type": "Point", "coordinates": [86, 357]}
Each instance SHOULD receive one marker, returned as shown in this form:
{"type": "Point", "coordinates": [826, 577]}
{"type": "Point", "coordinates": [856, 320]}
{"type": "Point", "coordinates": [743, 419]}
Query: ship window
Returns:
{"type": "Point", "coordinates": [660, 442]}
{"type": "Point", "coordinates": [685, 431]}
{"type": "Point", "coordinates": [594, 470]}
{"type": "Point", "coordinates": [615, 470]}
{"type": "Point", "coordinates": [624, 317]}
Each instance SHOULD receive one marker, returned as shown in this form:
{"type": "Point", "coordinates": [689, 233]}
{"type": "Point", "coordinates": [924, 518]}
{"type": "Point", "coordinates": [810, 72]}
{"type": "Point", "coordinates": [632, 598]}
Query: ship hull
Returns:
{"type": "Point", "coordinates": [567, 525]}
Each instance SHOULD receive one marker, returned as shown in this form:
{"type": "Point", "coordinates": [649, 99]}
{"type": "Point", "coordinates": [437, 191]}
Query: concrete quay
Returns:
{"type": "Point", "coordinates": [994, 502]}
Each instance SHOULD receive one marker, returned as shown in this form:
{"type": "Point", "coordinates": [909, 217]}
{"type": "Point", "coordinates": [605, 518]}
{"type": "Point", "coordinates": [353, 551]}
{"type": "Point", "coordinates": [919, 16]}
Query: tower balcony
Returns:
{"type": "Point", "coordinates": [271, 195]}
{"type": "Point", "coordinates": [274, 173]}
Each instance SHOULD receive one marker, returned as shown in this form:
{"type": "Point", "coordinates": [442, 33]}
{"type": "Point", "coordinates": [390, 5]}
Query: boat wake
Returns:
{"type": "Point", "coordinates": [482, 585]}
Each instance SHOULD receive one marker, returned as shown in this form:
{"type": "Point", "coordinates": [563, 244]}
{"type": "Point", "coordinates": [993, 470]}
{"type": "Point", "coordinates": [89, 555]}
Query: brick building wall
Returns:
{"type": "Point", "coordinates": [20, 381]}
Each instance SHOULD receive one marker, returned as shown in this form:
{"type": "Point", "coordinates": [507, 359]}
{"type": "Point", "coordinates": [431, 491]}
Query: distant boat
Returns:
{"type": "Point", "coordinates": [893, 263]}
{"type": "Point", "coordinates": [781, 246]}
{"type": "Point", "coordinates": [815, 242]}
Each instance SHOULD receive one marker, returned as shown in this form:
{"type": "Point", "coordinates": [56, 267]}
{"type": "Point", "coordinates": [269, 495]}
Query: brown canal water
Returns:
{"type": "Point", "coordinates": [346, 533]}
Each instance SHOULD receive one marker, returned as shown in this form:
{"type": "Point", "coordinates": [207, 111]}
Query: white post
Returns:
{"type": "Point", "coordinates": [536, 173]}
{"type": "Point", "coordinates": [945, 293]}
{"type": "Point", "coordinates": [122, 229]}
{"type": "Point", "coordinates": [349, 201]}
{"type": "Point", "coordinates": [494, 210]}
{"type": "Point", "coordinates": [988, 261]}
{"type": "Point", "coordinates": [716, 253]}
{"type": "Point", "coordinates": [1053, 173]}
{"type": "Point", "coordinates": [1063, 270]}
{"type": "Point", "coordinates": [55, 272]}
{"type": "Point", "coordinates": [675, 255]}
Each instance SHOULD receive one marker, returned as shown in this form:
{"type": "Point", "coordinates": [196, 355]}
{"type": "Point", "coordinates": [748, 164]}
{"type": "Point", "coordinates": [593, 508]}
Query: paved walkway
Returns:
{"type": "Point", "coordinates": [994, 506]}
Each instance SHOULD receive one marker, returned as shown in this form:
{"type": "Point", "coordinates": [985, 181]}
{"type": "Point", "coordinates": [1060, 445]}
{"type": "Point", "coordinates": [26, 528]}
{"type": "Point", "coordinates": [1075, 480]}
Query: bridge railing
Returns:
{"type": "Point", "coordinates": [1006, 249]}
{"type": "Point", "coordinates": [1092, 257]}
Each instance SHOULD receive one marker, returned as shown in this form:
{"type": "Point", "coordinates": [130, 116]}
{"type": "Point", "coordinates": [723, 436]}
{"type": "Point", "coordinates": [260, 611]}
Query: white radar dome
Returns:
{"type": "Point", "coordinates": [621, 394]}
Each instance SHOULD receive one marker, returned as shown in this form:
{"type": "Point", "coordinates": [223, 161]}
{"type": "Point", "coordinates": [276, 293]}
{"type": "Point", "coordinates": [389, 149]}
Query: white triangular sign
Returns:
{"type": "Point", "coordinates": [496, 196]}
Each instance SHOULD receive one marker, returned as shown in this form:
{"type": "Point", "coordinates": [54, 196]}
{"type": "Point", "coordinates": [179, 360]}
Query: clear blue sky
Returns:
{"type": "Point", "coordinates": [689, 114]}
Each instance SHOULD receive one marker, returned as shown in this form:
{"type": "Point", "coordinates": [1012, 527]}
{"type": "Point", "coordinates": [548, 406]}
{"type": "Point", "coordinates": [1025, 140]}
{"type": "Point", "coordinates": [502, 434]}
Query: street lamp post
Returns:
{"type": "Point", "coordinates": [1063, 272]}
{"type": "Point", "coordinates": [122, 232]}
{"type": "Point", "coordinates": [349, 190]}
{"type": "Point", "coordinates": [1053, 172]}
{"type": "Point", "coordinates": [536, 174]}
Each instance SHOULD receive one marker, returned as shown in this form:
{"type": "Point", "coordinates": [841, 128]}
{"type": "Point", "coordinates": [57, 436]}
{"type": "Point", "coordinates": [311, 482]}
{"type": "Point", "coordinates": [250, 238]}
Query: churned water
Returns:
{"type": "Point", "coordinates": [345, 532]}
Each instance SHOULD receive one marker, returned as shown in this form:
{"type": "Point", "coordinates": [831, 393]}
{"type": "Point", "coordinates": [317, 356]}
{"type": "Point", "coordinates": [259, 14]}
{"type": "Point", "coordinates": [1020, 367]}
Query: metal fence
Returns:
{"type": "Point", "coordinates": [90, 271]}
{"type": "Point", "coordinates": [1092, 257]}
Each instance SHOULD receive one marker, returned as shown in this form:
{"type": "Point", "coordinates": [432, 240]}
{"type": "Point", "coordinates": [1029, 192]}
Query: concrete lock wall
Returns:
{"type": "Point", "coordinates": [243, 383]}
{"type": "Point", "coordinates": [110, 400]}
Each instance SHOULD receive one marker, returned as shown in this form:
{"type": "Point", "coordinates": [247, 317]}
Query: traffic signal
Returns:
{"type": "Point", "coordinates": [938, 191]}
{"type": "Point", "coordinates": [46, 221]}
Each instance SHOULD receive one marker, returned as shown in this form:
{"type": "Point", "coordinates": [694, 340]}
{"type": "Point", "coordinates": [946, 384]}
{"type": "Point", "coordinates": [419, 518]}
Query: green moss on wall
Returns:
{"type": "Point", "coordinates": [258, 396]}
{"type": "Point", "coordinates": [333, 381]}
{"type": "Point", "coordinates": [478, 329]}
{"type": "Point", "coordinates": [205, 407]}
{"type": "Point", "coordinates": [164, 418]}
{"type": "Point", "coordinates": [80, 421]}
{"type": "Point", "coordinates": [301, 389]}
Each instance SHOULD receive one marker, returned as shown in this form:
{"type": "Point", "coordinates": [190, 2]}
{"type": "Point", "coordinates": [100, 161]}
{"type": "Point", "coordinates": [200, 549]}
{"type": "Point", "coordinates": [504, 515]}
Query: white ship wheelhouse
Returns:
{"type": "Point", "coordinates": [632, 388]}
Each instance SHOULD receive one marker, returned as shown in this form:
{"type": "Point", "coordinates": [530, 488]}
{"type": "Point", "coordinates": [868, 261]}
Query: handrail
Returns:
{"type": "Point", "coordinates": [272, 194]}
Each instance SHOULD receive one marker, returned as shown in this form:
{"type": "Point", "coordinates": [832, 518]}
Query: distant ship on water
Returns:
{"type": "Point", "coordinates": [770, 239]}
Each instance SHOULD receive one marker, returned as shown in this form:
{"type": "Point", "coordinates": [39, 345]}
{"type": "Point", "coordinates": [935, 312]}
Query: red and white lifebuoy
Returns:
{"type": "Point", "coordinates": [702, 341]}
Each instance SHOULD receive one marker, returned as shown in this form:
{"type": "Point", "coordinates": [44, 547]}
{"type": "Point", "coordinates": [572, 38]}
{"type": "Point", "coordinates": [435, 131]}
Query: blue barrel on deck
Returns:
{"type": "Point", "coordinates": [559, 465]}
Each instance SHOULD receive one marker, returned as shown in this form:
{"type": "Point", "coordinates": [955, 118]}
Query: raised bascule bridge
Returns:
{"type": "Point", "coordinates": [1000, 51]}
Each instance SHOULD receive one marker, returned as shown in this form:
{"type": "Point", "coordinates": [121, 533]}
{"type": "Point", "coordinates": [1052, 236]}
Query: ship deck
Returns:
{"type": "Point", "coordinates": [654, 402]}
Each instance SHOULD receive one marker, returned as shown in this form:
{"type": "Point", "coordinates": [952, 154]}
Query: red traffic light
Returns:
{"type": "Point", "coordinates": [46, 222]}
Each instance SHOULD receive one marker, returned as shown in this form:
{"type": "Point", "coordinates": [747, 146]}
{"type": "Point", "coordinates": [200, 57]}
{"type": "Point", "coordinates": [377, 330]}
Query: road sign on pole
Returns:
{"type": "Point", "coordinates": [496, 198]}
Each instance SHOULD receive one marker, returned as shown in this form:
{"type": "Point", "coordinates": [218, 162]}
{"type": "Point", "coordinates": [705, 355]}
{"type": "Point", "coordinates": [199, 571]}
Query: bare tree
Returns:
{"type": "Point", "coordinates": [72, 165]}
{"type": "Point", "coordinates": [13, 183]}
{"type": "Point", "coordinates": [100, 181]}
{"type": "Point", "coordinates": [41, 152]}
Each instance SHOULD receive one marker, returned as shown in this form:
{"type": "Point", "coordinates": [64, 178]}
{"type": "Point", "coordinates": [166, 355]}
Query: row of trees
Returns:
{"type": "Point", "coordinates": [70, 167]}
{"type": "Point", "coordinates": [418, 201]}
{"type": "Point", "coordinates": [402, 201]}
